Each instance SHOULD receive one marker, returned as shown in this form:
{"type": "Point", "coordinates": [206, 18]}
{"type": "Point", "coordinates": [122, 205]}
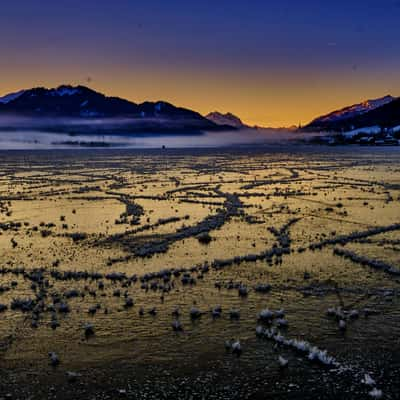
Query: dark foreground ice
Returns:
{"type": "Point", "coordinates": [254, 273]}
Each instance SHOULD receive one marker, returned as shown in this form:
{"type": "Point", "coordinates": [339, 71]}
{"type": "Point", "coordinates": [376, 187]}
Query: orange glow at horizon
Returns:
{"type": "Point", "coordinates": [271, 63]}
{"type": "Point", "coordinates": [271, 98]}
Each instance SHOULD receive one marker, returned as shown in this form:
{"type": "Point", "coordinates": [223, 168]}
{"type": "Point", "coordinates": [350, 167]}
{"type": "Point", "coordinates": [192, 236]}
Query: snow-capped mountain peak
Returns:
{"type": "Point", "coordinates": [227, 119]}
{"type": "Point", "coordinates": [11, 96]}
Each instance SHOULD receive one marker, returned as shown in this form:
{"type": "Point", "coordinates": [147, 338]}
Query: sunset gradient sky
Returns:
{"type": "Point", "coordinates": [273, 63]}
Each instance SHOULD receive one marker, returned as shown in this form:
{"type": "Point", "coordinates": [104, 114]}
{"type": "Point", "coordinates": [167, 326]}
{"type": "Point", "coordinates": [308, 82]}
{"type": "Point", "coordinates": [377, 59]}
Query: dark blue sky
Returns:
{"type": "Point", "coordinates": [272, 62]}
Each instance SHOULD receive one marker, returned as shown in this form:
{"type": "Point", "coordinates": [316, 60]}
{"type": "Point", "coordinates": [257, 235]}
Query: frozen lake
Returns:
{"type": "Point", "coordinates": [302, 243]}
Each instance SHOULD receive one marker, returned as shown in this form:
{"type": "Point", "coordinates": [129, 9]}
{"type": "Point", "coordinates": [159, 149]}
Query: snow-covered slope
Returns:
{"type": "Point", "coordinates": [65, 90]}
{"type": "Point", "coordinates": [351, 111]}
{"type": "Point", "coordinates": [10, 97]}
{"type": "Point", "coordinates": [383, 112]}
{"type": "Point", "coordinates": [369, 130]}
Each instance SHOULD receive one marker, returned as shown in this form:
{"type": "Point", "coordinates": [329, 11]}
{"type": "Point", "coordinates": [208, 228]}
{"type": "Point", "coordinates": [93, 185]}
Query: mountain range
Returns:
{"type": "Point", "coordinates": [81, 109]}
{"type": "Point", "coordinates": [383, 112]}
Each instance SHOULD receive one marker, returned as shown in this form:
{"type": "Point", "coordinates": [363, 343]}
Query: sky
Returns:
{"type": "Point", "coordinates": [273, 63]}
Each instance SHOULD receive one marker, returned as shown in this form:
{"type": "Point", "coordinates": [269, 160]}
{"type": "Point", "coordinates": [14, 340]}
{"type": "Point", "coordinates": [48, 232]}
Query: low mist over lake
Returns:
{"type": "Point", "coordinates": [30, 140]}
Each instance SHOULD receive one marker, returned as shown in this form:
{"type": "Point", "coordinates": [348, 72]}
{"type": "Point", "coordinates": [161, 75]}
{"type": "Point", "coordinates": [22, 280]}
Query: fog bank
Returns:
{"type": "Point", "coordinates": [38, 139]}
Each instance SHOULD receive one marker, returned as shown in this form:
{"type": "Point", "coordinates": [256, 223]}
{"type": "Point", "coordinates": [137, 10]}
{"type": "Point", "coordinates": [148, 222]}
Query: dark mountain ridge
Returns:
{"type": "Point", "coordinates": [85, 106]}
{"type": "Point", "coordinates": [384, 112]}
